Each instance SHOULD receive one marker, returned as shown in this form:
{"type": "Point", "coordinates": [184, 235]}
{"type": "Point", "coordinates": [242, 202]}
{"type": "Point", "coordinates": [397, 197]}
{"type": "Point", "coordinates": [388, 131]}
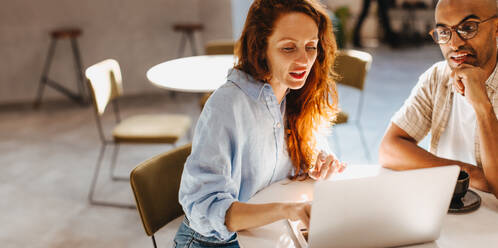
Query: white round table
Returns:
{"type": "Point", "coordinates": [475, 229]}
{"type": "Point", "coordinates": [197, 74]}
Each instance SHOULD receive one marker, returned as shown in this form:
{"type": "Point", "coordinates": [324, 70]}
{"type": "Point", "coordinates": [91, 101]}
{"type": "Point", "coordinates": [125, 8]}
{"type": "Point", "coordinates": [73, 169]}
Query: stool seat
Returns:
{"type": "Point", "coordinates": [187, 27]}
{"type": "Point", "coordinates": [67, 33]}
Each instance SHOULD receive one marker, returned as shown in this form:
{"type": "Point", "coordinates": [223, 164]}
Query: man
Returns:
{"type": "Point", "coordinates": [456, 99]}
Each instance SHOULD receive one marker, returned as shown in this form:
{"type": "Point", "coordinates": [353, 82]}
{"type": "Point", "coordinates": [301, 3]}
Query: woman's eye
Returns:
{"type": "Point", "coordinates": [288, 49]}
{"type": "Point", "coordinates": [311, 48]}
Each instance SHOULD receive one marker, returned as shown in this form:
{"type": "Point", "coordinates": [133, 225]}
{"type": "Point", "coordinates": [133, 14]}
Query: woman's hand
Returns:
{"type": "Point", "coordinates": [325, 165]}
{"type": "Point", "coordinates": [298, 211]}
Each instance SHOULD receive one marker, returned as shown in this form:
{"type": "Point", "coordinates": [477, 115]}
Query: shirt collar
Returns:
{"type": "Point", "coordinates": [247, 83]}
{"type": "Point", "coordinates": [492, 81]}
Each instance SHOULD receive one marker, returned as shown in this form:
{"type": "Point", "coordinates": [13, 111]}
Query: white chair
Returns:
{"type": "Point", "coordinates": [106, 86]}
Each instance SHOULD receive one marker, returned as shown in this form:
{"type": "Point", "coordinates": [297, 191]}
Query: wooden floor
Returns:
{"type": "Point", "coordinates": [47, 158]}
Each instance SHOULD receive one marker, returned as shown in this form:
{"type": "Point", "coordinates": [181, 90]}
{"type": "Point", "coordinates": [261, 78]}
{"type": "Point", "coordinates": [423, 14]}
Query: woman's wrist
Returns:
{"type": "Point", "coordinates": [283, 210]}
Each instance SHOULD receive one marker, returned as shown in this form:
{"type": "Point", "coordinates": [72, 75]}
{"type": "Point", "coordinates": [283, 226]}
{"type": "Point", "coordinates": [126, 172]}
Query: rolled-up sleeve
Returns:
{"type": "Point", "coordinates": [416, 114]}
{"type": "Point", "coordinates": [208, 187]}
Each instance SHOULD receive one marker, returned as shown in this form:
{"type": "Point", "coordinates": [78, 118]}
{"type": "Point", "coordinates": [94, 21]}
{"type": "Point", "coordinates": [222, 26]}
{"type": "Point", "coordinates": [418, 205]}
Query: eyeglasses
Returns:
{"type": "Point", "coordinates": [465, 30]}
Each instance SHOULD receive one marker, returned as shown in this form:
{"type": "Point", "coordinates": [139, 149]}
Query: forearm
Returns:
{"type": "Point", "coordinates": [241, 216]}
{"type": "Point", "coordinates": [398, 153]}
{"type": "Point", "coordinates": [488, 142]}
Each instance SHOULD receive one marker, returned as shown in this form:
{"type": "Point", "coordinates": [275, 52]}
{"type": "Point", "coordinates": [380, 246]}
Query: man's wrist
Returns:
{"type": "Point", "coordinates": [464, 166]}
{"type": "Point", "coordinates": [483, 109]}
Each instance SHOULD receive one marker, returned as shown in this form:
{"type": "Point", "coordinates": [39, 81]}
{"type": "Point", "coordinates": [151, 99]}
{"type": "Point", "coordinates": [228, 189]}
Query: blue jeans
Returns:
{"type": "Point", "coordinates": [186, 237]}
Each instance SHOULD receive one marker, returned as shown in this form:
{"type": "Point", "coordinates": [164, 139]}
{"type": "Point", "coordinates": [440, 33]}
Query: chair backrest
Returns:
{"type": "Point", "coordinates": [105, 83]}
{"type": "Point", "coordinates": [352, 67]}
{"type": "Point", "coordinates": [220, 47]}
{"type": "Point", "coordinates": [155, 184]}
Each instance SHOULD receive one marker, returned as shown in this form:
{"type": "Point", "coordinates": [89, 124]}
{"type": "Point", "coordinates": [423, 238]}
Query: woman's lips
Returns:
{"type": "Point", "coordinates": [298, 75]}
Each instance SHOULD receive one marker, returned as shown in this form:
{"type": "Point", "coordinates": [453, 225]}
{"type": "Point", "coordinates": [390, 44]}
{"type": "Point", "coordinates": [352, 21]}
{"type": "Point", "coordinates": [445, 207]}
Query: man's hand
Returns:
{"type": "Point", "coordinates": [325, 165]}
{"type": "Point", "coordinates": [470, 81]}
{"type": "Point", "coordinates": [477, 178]}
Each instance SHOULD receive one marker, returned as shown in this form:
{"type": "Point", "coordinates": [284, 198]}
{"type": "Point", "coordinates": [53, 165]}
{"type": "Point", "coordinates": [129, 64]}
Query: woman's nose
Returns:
{"type": "Point", "coordinates": [302, 58]}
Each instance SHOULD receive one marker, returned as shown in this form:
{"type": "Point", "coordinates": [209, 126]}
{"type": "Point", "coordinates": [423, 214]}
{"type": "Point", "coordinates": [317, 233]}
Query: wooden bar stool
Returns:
{"type": "Point", "coordinates": [187, 30]}
{"type": "Point", "coordinates": [61, 34]}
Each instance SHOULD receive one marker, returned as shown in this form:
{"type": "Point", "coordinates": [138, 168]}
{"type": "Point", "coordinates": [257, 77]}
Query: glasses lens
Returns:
{"type": "Point", "coordinates": [441, 34]}
{"type": "Point", "coordinates": [467, 30]}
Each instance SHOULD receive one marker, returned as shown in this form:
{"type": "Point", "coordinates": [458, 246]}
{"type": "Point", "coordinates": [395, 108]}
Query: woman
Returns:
{"type": "Point", "coordinates": [263, 125]}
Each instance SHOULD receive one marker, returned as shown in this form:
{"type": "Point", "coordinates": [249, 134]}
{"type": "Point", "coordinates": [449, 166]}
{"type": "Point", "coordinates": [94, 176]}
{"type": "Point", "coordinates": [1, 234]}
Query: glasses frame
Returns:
{"type": "Point", "coordinates": [455, 29]}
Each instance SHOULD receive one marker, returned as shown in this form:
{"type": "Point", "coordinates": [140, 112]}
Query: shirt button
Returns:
{"type": "Point", "coordinates": [278, 125]}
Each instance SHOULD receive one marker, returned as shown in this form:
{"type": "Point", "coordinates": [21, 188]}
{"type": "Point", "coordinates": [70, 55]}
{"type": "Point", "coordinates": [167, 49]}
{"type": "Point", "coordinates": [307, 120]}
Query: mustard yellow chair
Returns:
{"type": "Point", "coordinates": [352, 67]}
{"type": "Point", "coordinates": [105, 82]}
{"type": "Point", "coordinates": [155, 185]}
{"type": "Point", "coordinates": [219, 47]}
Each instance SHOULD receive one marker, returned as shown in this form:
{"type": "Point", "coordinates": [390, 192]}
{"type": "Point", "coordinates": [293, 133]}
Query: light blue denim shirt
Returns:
{"type": "Point", "coordinates": [238, 149]}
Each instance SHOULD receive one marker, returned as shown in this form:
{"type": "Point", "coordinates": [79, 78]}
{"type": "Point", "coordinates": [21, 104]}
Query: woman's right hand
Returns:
{"type": "Point", "coordinates": [325, 166]}
{"type": "Point", "coordinates": [299, 211]}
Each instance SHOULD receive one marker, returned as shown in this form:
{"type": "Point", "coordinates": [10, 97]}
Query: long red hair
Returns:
{"type": "Point", "coordinates": [311, 109]}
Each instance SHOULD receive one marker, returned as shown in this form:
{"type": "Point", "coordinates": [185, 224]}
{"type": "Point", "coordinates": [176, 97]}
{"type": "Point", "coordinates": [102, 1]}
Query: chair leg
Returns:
{"type": "Point", "coordinates": [94, 184]}
{"type": "Point", "coordinates": [112, 169]}
{"type": "Point", "coordinates": [363, 141]}
{"type": "Point", "coordinates": [336, 144]}
{"type": "Point", "coordinates": [154, 241]}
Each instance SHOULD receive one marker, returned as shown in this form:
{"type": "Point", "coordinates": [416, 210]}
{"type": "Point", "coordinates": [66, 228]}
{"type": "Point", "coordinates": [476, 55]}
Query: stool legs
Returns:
{"type": "Point", "coordinates": [187, 37]}
{"type": "Point", "coordinates": [181, 49]}
{"type": "Point", "coordinates": [45, 80]}
{"type": "Point", "coordinates": [46, 69]}
{"type": "Point", "coordinates": [190, 36]}
{"type": "Point", "coordinates": [79, 71]}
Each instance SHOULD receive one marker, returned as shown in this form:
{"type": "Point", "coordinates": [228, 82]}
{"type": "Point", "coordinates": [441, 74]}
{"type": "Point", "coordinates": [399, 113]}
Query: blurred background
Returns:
{"type": "Point", "coordinates": [49, 141]}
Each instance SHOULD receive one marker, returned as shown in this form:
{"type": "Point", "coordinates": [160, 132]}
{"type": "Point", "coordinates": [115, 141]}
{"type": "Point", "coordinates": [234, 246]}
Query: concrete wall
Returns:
{"type": "Point", "coordinates": [217, 19]}
{"type": "Point", "coordinates": [136, 33]}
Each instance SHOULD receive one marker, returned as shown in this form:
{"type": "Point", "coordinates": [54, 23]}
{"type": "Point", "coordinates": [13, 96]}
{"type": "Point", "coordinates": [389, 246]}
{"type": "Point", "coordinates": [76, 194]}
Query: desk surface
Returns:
{"type": "Point", "coordinates": [475, 229]}
{"type": "Point", "coordinates": [197, 74]}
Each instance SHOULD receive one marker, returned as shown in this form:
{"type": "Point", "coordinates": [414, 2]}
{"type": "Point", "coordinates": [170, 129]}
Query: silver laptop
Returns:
{"type": "Point", "coordinates": [390, 209]}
